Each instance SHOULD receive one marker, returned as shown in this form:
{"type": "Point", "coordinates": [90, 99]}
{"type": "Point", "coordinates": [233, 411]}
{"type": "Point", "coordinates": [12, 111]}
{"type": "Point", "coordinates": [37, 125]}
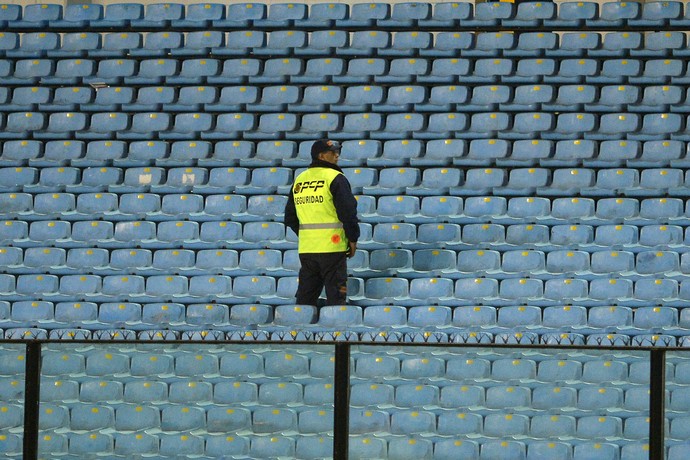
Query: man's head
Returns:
{"type": "Point", "coordinates": [326, 150]}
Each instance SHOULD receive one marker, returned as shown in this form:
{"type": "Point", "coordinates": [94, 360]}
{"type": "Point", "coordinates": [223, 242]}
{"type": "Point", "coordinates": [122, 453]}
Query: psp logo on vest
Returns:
{"type": "Point", "coordinates": [313, 185]}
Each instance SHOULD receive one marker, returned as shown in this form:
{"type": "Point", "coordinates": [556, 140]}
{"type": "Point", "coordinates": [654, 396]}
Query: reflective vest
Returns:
{"type": "Point", "coordinates": [320, 230]}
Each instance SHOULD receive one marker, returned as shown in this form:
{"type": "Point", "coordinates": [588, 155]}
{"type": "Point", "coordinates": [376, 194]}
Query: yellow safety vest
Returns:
{"type": "Point", "coordinates": [320, 230]}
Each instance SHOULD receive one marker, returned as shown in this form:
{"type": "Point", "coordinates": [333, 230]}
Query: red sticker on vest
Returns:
{"type": "Point", "coordinates": [335, 239]}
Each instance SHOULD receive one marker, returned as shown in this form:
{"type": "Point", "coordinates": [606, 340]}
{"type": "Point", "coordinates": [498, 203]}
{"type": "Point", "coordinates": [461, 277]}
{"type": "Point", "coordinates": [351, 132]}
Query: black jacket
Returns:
{"type": "Point", "coordinates": [343, 199]}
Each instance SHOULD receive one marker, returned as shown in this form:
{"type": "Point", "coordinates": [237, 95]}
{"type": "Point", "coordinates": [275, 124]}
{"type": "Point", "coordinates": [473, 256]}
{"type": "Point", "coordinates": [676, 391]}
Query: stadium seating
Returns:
{"type": "Point", "coordinates": [521, 174]}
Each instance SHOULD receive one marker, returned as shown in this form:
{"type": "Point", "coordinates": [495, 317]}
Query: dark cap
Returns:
{"type": "Point", "coordinates": [324, 145]}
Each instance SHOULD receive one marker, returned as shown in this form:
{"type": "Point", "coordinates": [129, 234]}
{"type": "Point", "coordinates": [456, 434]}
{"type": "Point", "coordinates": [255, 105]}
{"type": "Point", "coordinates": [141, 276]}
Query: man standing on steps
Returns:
{"type": "Point", "coordinates": [322, 211]}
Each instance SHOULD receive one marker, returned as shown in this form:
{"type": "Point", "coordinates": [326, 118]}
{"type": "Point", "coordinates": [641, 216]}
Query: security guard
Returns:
{"type": "Point", "coordinates": [322, 211]}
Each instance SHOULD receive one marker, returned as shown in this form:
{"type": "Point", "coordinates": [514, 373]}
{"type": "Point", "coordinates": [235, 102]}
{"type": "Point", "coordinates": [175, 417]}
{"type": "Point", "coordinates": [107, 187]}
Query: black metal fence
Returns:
{"type": "Point", "coordinates": [342, 352]}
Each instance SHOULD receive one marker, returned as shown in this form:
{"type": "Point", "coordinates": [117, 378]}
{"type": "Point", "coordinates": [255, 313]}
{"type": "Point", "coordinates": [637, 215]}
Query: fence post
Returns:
{"type": "Point", "coordinates": [32, 396]}
{"type": "Point", "coordinates": [657, 399]}
{"type": "Point", "coordinates": [341, 409]}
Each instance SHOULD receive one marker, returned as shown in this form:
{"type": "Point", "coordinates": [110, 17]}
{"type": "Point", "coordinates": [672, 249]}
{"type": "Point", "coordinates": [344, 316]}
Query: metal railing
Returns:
{"type": "Point", "coordinates": [342, 384]}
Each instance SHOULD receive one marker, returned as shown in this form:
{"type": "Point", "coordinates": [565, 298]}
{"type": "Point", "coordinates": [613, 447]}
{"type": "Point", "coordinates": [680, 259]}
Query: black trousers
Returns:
{"type": "Point", "coordinates": [321, 270]}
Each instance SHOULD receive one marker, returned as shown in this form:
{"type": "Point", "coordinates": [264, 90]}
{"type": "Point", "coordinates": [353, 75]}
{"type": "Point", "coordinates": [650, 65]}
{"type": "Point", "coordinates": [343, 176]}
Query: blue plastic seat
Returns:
{"type": "Point", "coordinates": [235, 393]}
{"type": "Point", "coordinates": [482, 180]}
{"type": "Point", "coordinates": [367, 43]}
{"type": "Point", "coordinates": [362, 70]}
{"type": "Point", "coordinates": [154, 71]}
{"type": "Point", "coordinates": [446, 95]}
{"type": "Point", "coordinates": [117, 44]}
{"type": "Point", "coordinates": [36, 44]}
{"type": "Point", "coordinates": [84, 443]}
{"type": "Point", "coordinates": [575, 94]}
{"type": "Point", "coordinates": [559, 370]}
{"type": "Point", "coordinates": [149, 98]}
{"type": "Point", "coordinates": [448, 70]}
{"type": "Point", "coordinates": [112, 71]}
{"type": "Point", "coordinates": [578, 68]}
{"type": "Point", "coordinates": [92, 231]}
{"type": "Point", "coordinates": [567, 261]}
{"type": "Point", "coordinates": [159, 15]}
{"type": "Point", "coordinates": [499, 425]}
{"type": "Point", "coordinates": [22, 122]}
{"type": "Point", "coordinates": [131, 443]}
{"type": "Point", "coordinates": [599, 426]}
{"type": "Point", "coordinates": [621, 43]}
{"type": "Point", "coordinates": [197, 71]}
{"type": "Point", "coordinates": [387, 261]}
{"type": "Point", "coordinates": [597, 449]}
{"type": "Point", "coordinates": [661, 95]}
{"type": "Point", "coordinates": [612, 235]}
{"type": "Point", "coordinates": [409, 43]}
{"type": "Point", "coordinates": [321, 70]}
{"type": "Point", "coordinates": [220, 419]}
{"type": "Point", "coordinates": [547, 426]}
{"type": "Point", "coordinates": [661, 124]}
{"type": "Point", "coordinates": [660, 235]}
{"type": "Point", "coordinates": [145, 123]}
{"type": "Point", "coordinates": [433, 289]}
{"type": "Point", "coordinates": [96, 204]}
{"type": "Point", "coordinates": [523, 261]}
{"type": "Point", "coordinates": [600, 398]}
{"type": "Point", "coordinates": [612, 261]}
{"type": "Point", "coordinates": [21, 150]}
{"type": "Point", "coordinates": [657, 71]}
{"type": "Point", "coordinates": [111, 97]}
{"type": "Point", "coordinates": [96, 392]}
{"type": "Point", "coordinates": [448, 449]}
{"type": "Point", "coordinates": [403, 95]}
{"type": "Point", "coordinates": [121, 14]}
{"type": "Point", "coordinates": [242, 14]}
{"type": "Point", "coordinates": [577, 13]}
{"type": "Point", "coordinates": [617, 95]}
{"type": "Point", "coordinates": [201, 15]}
{"type": "Point", "coordinates": [78, 43]}
{"type": "Point", "coordinates": [176, 444]}
{"type": "Point", "coordinates": [488, 96]}
{"type": "Point", "coordinates": [187, 125]}
{"type": "Point", "coordinates": [363, 95]}
{"type": "Point", "coordinates": [476, 288]}
{"type": "Point", "coordinates": [160, 44]}
{"type": "Point", "coordinates": [445, 235]}
{"type": "Point", "coordinates": [527, 234]}
{"type": "Point", "coordinates": [122, 286]}
{"type": "Point", "coordinates": [320, 96]}
{"type": "Point", "coordinates": [536, 68]}
{"type": "Point", "coordinates": [10, 13]}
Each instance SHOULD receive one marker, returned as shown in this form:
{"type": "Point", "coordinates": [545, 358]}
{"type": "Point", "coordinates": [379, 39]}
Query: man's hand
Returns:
{"type": "Point", "coordinates": [352, 250]}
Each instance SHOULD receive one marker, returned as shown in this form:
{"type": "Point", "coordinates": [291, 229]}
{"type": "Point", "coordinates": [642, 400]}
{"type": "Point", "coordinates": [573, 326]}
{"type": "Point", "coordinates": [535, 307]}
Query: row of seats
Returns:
{"type": "Point", "coordinates": [522, 215]}
{"type": "Point", "coordinates": [596, 338]}
{"type": "Point", "coordinates": [394, 447]}
{"type": "Point", "coordinates": [658, 70]}
{"type": "Point", "coordinates": [138, 316]}
{"type": "Point", "coordinates": [341, 42]}
{"type": "Point", "coordinates": [69, 205]}
{"type": "Point", "coordinates": [600, 290]}
{"type": "Point", "coordinates": [113, 184]}
{"type": "Point", "coordinates": [312, 99]}
{"type": "Point", "coordinates": [392, 126]}
{"type": "Point", "coordinates": [254, 100]}
{"type": "Point", "coordinates": [355, 152]}
{"type": "Point", "coordinates": [260, 420]}
{"type": "Point", "coordinates": [421, 262]}
{"type": "Point", "coordinates": [170, 125]}
{"type": "Point", "coordinates": [379, 375]}
{"type": "Point", "coordinates": [257, 234]}
{"type": "Point", "coordinates": [381, 15]}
